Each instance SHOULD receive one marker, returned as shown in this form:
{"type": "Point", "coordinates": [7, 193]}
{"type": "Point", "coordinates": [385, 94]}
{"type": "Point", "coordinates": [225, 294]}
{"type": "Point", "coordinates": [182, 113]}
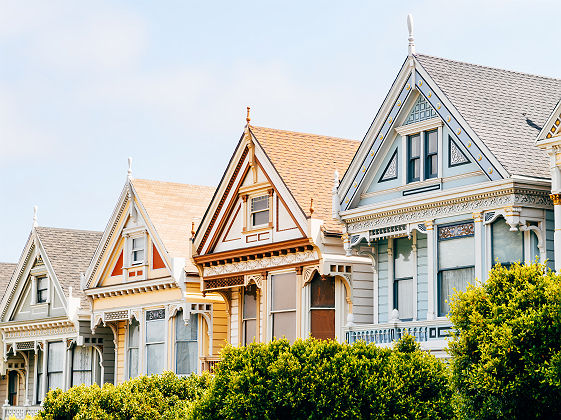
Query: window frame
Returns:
{"type": "Point", "coordinates": [317, 277]}
{"type": "Point", "coordinates": [133, 250]}
{"type": "Point", "coordinates": [412, 159]}
{"type": "Point", "coordinates": [129, 347]}
{"type": "Point", "coordinates": [507, 265]}
{"type": "Point", "coordinates": [245, 319]}
{"type": "Point", "coordinates": [428, 155]}
{"type": "Point", "coordinates": [194, 318]}
{"type": "Point", "coordinates": [396, 280]}
{"type": "Point", "coordinates": [266, 198]}
{"type": "Point", "coordinates": [39, 292]}
{"type": "Point", "coordinates": [91, 370]}
{"type": "Point", "coordinates": [49, 370]}
{"type": "Point", "coordinates": [147, 343]}
{"type": "Point", "coordinates": [272, 312]}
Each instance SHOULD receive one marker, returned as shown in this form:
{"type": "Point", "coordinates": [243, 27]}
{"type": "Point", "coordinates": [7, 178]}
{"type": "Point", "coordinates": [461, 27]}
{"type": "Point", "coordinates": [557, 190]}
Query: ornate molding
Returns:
{"type": "Point", "coordinates": [556, 198]}
{"type": "Point", "coordinates": [256, 278]}
{"type": "Point", "coordinates": [308, 274]}
{"type": "Point", "coordinates": [261, 264]}
{"type": "Point", "coordinates": [47, 332]}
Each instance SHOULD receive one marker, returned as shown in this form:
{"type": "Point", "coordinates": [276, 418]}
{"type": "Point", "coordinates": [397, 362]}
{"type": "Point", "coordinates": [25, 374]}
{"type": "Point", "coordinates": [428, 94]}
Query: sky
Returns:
{"type": "Point", "coordinates": [85, 85]}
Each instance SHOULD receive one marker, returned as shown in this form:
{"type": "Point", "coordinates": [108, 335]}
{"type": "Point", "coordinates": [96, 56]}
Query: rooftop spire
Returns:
{"type": "Point", "coordinates": [129, 171]}
{"type": "Point", "coordinates": [35, 223]}
{"type": "Point", "coordinates": [247, 118]}
{"type": "Point", "coordinates": [411, 38]}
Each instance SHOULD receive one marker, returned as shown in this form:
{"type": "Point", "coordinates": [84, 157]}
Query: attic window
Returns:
{"type": "Point", "coordinates": [137, 251]}
{"type": "Point", "coordinates": [421, 111]}
{"type": "Point", "coordinates": [42, 289]}
{"type": "Point", "coordinates": [259, 211]}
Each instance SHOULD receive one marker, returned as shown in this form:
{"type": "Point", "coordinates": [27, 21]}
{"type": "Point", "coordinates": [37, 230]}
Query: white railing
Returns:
{"type": "Point", "coordinates": [19, 412]}
{"type": "Point", "coordinates": [423, 331]}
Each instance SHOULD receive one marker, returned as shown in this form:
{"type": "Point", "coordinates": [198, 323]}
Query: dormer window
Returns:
{"type": "Point", "coordinates": [422, 156]}
{"type": "Point", "coordinates": [42, 289]}
{"type": "Point", "coordinates": [414, 152]}
{"type": "Point", "coordinates": [137, 251]}
{"type": "Point", "coordinates": [259, 214]}
{"type": "Point", "coordinates": [431, 154]}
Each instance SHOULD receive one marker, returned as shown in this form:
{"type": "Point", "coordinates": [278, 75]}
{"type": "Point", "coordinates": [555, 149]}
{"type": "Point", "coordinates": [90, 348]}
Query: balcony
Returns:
{"type": "Point", "coordinates": [208, 363]}
{"type": "Point", "coordinates": [19, 412]}
{"type": "Point", "coordinates": [432, 335]}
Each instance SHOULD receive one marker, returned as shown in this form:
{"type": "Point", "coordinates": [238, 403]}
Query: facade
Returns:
{"type": "Point", "coordinates": [268, 243]}
{"type": "Point", "coordinates": [446, 183]}
{"type": "Point", "coordinates": [143, 285]}
{"type": "Point", "coordinates": [47, 341]}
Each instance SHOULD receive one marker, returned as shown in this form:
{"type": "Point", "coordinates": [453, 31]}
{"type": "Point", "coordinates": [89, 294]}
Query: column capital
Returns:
{"type": "Point", "coordinates": [556, 198]}
{"type": "Point", "coordinates": [429, 224]}
{"type": "Point", "coordinates": [477, 216]}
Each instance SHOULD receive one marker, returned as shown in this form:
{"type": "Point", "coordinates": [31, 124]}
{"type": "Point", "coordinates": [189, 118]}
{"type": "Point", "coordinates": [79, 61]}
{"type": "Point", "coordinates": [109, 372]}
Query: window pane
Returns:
{"type": "Point", "coordinates": [55, 362]}
{"type": "Point", "coordinates": [260, 218]}
{"type": "Point", "coordinates": [260, 203]}
{"type": "Point", "coordinates": [284, 324]}
{"type": "Point", "coordinates": [283, 291]}
{"type": "Point", "coordinates": [154, 358]}
{"type": "Point", "coordinates": [155, 330]}
{"type": "Point", "coordinates": [138, 243]}
{"type": "Point", "coordinates": [82, 358]}
{"type": "Point", "coordinates": [79, 378]}
{"type": "Point", "coordinates": [55, 380]}
{"type": "Point", "coordinates": [249, 329]}
{"type": "Point", "coordinates": [403, 258]}
{"type": "Point", "coordinates": [405, 299]}
{"type": "Point", "coordinates": [186, 356]}
{"type": "Point", "coordinates": [450, 280]}
{"type": "Point", "coordinates": [534, 250]}
{"type": "Point", "coordinates": [133, 363]}
{"type": "Point", "coordinates": [322, 292]}
{"type": "Point", "coordinates": [186, 332]}
{"type": "Point", "coordinates": [138, 255]}
{"type": "Point", "coordinates": [415, 146]}
{"type": "Point", "coordinates": [432, 166]}
{"type": "Point", "coordinates": [134, 331]}
{"type": "Point", "coordinates": [459, 252]}
{"type": "Point", "coordinates": [323, 323]}
{"type": "Point", "coordinates": [250, 302]}
{"type": "Point", "coordinates": [432, 141]}
{"type": "Point", "coordinates": [39, 362]}
{"type": "Point", "coordinates": [507, 245]}
{"type": "Point", "coordinates": [42, 283]}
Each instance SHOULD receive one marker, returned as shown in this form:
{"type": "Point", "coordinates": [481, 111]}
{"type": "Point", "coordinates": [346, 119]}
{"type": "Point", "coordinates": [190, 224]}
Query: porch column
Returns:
{"type": "Point", "coordinates": [479, 244]}
{"type": "Point", "coordinates": [431, 260]}
{"type": "Point", "coordinates": [556, 198]}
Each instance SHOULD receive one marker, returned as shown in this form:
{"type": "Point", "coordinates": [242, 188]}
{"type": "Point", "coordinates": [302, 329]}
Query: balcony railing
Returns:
{"type": "Point", "coordinates": [19, 412]}
{"type": "Point", "coordinates": [423, 331]}
{"type": "Point", "coordinates": [208, 363]}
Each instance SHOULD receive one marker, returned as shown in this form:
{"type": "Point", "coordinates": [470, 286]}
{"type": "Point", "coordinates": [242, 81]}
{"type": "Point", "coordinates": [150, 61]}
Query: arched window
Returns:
{"type": "Point", "coordinates": [186, 344]}
{"type": "Point", "coordinates": [322, 307]}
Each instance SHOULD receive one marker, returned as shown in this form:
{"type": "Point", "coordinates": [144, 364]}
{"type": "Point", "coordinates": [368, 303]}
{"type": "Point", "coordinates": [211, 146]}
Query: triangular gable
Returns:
{"type": "Point", "coordinates": [392, 169]}
{"type": "Point", "coordinates": [249, 168]}
{"type": "Point", "coordinates": [412, 77]}
{"type": "Point", "coordinates": [551, 130]}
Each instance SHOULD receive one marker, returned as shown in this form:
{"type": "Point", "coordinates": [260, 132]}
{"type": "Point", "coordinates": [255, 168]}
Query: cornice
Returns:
{"type": "Point", "coordinates": [15, 326]}
{"type": "Point", "coordinates": [417, 127]}
{"type": "Point", "coordinates": [131, 288]}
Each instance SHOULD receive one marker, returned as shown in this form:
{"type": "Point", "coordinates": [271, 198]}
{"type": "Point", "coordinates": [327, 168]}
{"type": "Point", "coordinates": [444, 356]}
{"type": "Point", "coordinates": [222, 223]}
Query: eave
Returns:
{"type": "Point", "coordinates": [131, 288]}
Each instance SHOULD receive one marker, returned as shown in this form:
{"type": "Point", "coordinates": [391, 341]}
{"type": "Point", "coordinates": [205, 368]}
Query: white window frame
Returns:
{"type": "Point", "coordinates": [177, 319]}
{"type": "Point", "coordinates": [270, 311]}
{"type": "Point", "coordinates": [145, 343]}
{"type": "Point", "coordinates": [267, 198]}
{"type": "Point", "coordinates": [128, 348]}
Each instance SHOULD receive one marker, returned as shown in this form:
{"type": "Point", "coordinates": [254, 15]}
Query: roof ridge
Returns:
{"type": "Point", "coordinates": [489, 67]}
{"type": "Point", "coordinates": [300, 132]}
{"type": "Point", "coordinates": [173, 182]}
{"type": "Point", "coordinates": [68, 229]}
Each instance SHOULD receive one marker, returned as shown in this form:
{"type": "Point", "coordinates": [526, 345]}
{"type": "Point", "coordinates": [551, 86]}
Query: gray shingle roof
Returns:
{"type": "Point", "coordinates": [6, 271]}
{"type": "Point", "coordinates": [69, 252]}
{"type": "Point", "coordinates": [506, 109]}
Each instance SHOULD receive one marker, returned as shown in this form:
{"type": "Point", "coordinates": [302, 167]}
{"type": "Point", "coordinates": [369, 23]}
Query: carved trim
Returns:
{"type": "Point", "coordinates": [556, 198]}
{"type": "Point", "coordinates": [256, 278]}
{"type": "Point", "coordinates": [309, 274]}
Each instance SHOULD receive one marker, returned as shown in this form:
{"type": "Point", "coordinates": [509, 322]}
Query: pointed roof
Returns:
{"type": "Point", "coordinates": [306, 163]}
{"type": "Point", "coordinates": [172, 207]}
{"type": "Point", "coordinates": [69, 251]}
{"type": "Point", "coordinates": [6, 271]}
{"type": "Point", "coordinates": [506, 109]}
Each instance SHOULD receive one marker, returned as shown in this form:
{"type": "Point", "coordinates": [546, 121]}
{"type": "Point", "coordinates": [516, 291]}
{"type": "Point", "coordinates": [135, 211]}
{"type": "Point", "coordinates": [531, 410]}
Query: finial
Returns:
{"type": "Point", "coordinates": [129, 172]}
{"type": "Point", "coordinates": [311, 206]}
{"type": "Point", "coordinates": [411, 38]}
{"type": "Point", "coordinates": [35, 224]}
{"type": "Point", "coordinates": [247, 118]}
{"type": "Point", "coordinates": [192, 229]}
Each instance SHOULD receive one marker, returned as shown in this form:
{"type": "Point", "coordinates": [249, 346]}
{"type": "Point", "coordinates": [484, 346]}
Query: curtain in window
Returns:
{"type": "Point", "coordinates": [451, 280]}
{"type": "Point", "coordinates": [404, 268]}
{"type": "Point", "coordinates": [55, 365]}
{"type": "Point", "coordinates": [534, 250]}
{"type": "Point", "coordinates": [82, 362]}
{"type": "Point", "coordinates": [507, 246]}
{"type": "Point", "coordinates": [155, 346]}
{"type": "Point", "coordinates": [133, 343]}
{"type": "Point", "coordinates": [39, 383]}
{"type": "Point", "coordinates": [283, 305]}
{"type": "Point", "coordinates": [249, 314]}
{"type": "Point", "coordinates": [186, 345]}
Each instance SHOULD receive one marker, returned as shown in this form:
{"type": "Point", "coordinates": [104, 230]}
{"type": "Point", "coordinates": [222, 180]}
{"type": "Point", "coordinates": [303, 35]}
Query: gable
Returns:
{"type": "Point", "coordinates": [415, 104]}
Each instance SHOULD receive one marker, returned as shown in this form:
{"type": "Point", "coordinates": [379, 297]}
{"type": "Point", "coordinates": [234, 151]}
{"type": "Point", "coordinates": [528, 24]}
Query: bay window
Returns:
{"type": "Point", "coordinates": [155, 341]}
{"type": "Point", "coordinates": [283, 305]}
{"type": "Point", "coordinates": [404, 269]}
{"type": "Point", "coordinates": [249, 314]}
{"type": "Point", "coordinates": [132, 348]}
{"type": "Point", "coordinates": [456, 261]}
{"type": "Point", "coordinates": [186, 344]}
{"type": "Point", "coordinates": [322, 307]}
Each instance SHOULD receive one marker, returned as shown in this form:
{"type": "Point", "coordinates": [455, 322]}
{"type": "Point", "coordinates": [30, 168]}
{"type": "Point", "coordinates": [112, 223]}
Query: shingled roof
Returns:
{"type": "Point", "coordinates": [306, 163]}
{"type": "Point", "coordinates": [172, 207]}
{"type": "Point", "coordinates": [6, 271]}
{"type": "Point", "coordinates": [69, 251]}
{"type": "Point", "coordinates": [506, 109]}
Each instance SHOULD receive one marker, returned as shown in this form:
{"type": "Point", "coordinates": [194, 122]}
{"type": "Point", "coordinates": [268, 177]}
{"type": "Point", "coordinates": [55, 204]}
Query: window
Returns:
{"type": "Point", "coordinates": [12, 387]}
{"type": "Point", "coordinates": [39, 384]}
{"type": "Point", "coordinates": [132, 349]}
{"type": "Point", "coordinates": [155, 341]}
{"type": "Point", "coordinates": [431, 154]}
{"type": "Point", "coordinates": [186, 345]}
{"type": "Point", "coordinates": [42, 289]}
{"type": "Point", "coordinates": [249, 314]}
{"type": "Point", "coordinates": [85, 365]}
{"type": "Point", "coordinates": [414, 155]}
{"type": "Point", "coordinates": [259, 211]}
{"type": "Point", "coordinates": [283, 305]}
{"type": "Point", "coordinates": [507, 246]}
{"type": "Point", "coordinates": [322, 307]}
{"type": "Point", "coordinates": [137, 251]}
{"type": "Point", "coordinates": [456, 261]}
{"type": "Point", "coordinates": [404, 268]}
{"type": "Point", "coordinates": [55, 365]}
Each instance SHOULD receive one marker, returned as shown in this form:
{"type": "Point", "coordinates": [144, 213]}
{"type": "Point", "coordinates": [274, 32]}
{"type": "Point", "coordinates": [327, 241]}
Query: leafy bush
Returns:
{"type": "Point", "coordinates": [506, 355]}
{"type": "Point", "coordinates": [145, 397]}
{"type": "Point", "coordinates": [327, 380]}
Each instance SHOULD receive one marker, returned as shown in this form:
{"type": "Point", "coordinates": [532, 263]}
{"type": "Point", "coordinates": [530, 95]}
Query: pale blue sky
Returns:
{"type": "Point", "coordinates": [85, 85]}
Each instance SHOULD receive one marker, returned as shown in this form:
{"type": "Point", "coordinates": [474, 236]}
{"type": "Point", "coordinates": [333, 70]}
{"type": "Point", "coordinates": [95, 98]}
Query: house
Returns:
{"type": "Point", "coordinates": [447, 182]}
{"type": "Point", "coordinates": [144, 286]}
{"type": "Point", "coordinates": [268, 243]}
{"type": "Point", "coordinates": [45, 321]}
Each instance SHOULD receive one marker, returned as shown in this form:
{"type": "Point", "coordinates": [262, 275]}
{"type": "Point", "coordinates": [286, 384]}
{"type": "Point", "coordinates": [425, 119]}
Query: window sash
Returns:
{"type": "Point", "coordinates": [431, 156]}
{"type": "Point", "coordinates": [42, 289]}
{"type": "Point", "coordinates": [403, 301]}
{"type": "Point", "coordinates": [414, 157]}
{"type": "Point", "coordinates": [186, 344]}
{"type": "Point", "coordinates": [446, 290]}
{"type": "Point", "coordinates": [505, 244]}
{"type": "Point", "coordinates": [137, 250]}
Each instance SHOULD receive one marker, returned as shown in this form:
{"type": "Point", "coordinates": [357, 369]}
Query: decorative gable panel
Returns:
{"type": "Point", "coordinates": [456, 156]}
{"type": "Point", "coordinates": [421, 111]}
{"type": "Point", "coordinates": [391, 171]}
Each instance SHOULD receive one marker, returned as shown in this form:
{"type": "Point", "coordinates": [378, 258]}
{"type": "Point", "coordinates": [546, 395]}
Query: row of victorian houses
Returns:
{"type": "Point", "coordinates": [459, 170]}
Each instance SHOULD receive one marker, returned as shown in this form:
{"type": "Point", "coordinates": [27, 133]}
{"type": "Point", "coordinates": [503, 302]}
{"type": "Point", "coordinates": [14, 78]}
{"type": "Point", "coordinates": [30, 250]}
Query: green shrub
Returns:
{"type": "Point", "coordinates": [327, 380]}
{"type": "Point", "coordinates": [506, 355]}
{"type": "Point", "coordinates": [145, 397]}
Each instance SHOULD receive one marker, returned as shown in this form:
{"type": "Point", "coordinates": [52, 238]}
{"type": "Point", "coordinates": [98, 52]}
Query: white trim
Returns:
{"type": "Point", "coordinates": [426, 125]}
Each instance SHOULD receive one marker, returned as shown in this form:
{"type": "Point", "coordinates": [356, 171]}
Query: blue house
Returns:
{"type": "Point", "coordinates": [447, 181]}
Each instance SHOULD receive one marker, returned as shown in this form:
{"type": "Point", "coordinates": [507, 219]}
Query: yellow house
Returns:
{"type": "Point", "coordinates": [143, 284]}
